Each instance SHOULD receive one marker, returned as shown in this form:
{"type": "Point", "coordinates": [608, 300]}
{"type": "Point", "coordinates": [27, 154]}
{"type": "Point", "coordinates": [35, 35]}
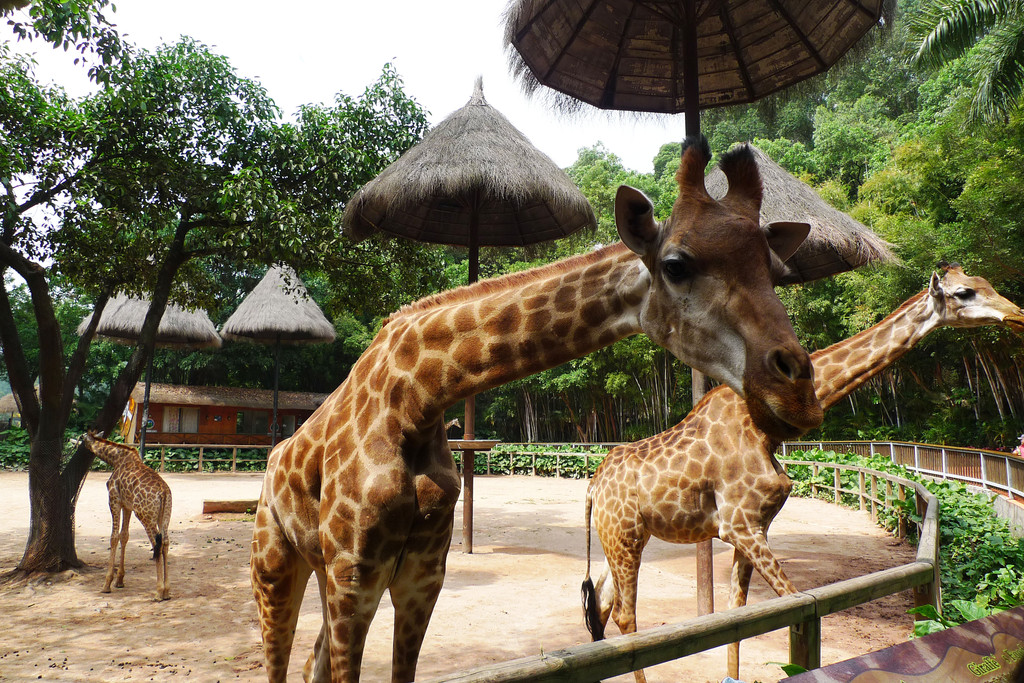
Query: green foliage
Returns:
{"type": "Point", "coordinates": [14, 448]}
{"type": "Point", "coordinates": [979, 557]}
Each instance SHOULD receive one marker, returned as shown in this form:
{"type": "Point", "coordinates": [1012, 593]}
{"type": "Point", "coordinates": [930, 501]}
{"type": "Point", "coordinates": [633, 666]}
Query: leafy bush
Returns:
{"type": "Point", "coordinates": [981, 562]}
{"type": "Point", "coordinates": [14, 448]}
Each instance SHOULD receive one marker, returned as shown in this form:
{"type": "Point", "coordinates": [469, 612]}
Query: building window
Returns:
{"type": "Point", "coordinates": [180, 420]}
{"type": "Point", "coordinates": [252, 422]}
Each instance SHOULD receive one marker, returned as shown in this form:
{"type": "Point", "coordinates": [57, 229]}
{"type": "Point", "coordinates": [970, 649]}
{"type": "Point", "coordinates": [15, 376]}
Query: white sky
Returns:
{"type": "Point", "coordinates": [305, 51]}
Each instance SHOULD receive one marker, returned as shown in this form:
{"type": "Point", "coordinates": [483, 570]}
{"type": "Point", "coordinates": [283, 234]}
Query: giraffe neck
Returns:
{"type": "Point", "coordinates": [113, 454]}
{"type": "Point", "coordinates": [842, 368]}
{"type": "Point", "coordinates": [436, 352]}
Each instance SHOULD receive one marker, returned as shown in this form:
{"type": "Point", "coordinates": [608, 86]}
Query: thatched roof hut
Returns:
{"type": "Point", "coordinates": [279, 309]}
{"type": "Point", "coordinates": [231, 397]}
{"type": "Point", "coordinates": [123, 317]}
{"type": "Point", "coordinates": [836, 243]}
{"type": "Point", "coordinates": [474, 158]}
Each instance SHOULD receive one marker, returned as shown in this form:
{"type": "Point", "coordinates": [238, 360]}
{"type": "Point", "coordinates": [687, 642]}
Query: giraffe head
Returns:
{"type": "Point", "coordinates": [711, 300]}
{"type": "Point", "coordinates": [960, 300]}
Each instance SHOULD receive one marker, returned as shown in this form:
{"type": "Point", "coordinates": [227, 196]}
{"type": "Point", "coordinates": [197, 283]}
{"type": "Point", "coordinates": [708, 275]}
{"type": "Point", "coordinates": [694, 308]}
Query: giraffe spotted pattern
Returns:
{"type": "Point", "coordinates": [134, 487]}
{"type": "Point", "coordinates": [714, 474]}
{"type": "Point", "coordinates": [363, 494]}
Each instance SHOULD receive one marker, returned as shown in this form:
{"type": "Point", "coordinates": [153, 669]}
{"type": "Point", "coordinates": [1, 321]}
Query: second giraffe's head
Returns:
{"type": "Point", "coordinates": [712, 301]}
{"type": "Point", "coordinates": [961, 300]}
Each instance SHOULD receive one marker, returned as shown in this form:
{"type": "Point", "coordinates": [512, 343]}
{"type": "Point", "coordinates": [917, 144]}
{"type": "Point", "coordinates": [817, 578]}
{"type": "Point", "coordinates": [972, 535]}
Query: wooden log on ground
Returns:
{"type": "Point", "coordinates": [212, 506]}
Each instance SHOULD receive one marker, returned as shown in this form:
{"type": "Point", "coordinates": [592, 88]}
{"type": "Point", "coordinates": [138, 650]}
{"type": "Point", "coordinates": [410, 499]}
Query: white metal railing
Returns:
{"type": "Point", "coordinates": [992, 470]}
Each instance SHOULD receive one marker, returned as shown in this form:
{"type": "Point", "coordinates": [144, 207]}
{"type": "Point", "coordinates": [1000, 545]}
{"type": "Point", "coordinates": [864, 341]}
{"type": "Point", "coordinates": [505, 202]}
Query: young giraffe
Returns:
{"type": "Point", "coordinates": [714, 474]}
{"type": "Point", "coordinates": [134, 487]}
{"type": "Point", "coordinates": [363, 495]}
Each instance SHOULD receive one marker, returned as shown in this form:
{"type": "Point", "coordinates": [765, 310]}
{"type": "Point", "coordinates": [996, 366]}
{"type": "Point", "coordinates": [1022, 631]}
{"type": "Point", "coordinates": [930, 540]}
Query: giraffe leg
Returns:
{"type": "Point", "coordinates": [354, 590]}
{"type": "Point", "coordinates": [414, 592]}
{"type": "Point", "coordinates": [115, 538]}
{"type": "Point", "coordinates": [754, 546]}
{"type": "Point", "coordinates": [126, 518]}
{"type": "Point", "coordinates": [163, 589]}
{"type": "Point", "coordinates": [625, 568]}
{"type": "Point", "coordinates": [742, 570]}
{"type": "Point", "coordinates": [318, 666]}
{"type": "Point", "coordinates": [279, 576]}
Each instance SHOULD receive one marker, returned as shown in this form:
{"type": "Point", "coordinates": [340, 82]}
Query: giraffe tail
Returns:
{"type": "Point", "coordinates": [158, 543]}
{"type": "Point", "coordinates": [591, 613]}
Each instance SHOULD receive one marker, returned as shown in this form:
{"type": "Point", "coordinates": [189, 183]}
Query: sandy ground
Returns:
{"type": "Point", "coordinates": [516, 595]}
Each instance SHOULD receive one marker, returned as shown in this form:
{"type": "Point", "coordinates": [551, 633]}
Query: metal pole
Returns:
{"type": "Point", "coordinates": [145, 406]}
{"type": "Point", "coordinates": [469, 433]}
{"type": "Point", "coordinates": [704, 551]}
{"type": "Point", "coordinates": [274, 428]}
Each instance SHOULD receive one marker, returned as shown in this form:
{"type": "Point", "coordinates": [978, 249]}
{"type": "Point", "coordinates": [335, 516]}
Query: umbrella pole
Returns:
{"type": "Point", "coordinates": [274, 428]}
{"type": "Point", "coordinates": [469, 456]}
{"type": "Point", "coordinates": [691, 96]}
{"type": "Point", "coordinates": [691, 76]}
{"type": "Point", "coordinates": [145, 407]}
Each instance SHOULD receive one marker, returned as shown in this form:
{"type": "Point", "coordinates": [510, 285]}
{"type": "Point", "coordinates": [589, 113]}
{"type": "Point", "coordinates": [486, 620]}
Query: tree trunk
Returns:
{"type": "Point", "coordinates": [52, 498]}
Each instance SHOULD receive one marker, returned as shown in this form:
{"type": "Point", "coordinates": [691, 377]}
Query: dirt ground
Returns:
{"type": "Point", "coordinates": [516, 595]}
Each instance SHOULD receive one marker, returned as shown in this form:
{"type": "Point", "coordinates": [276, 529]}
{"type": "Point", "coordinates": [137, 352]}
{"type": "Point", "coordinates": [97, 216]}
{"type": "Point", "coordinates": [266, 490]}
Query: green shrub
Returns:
{"type": "Point", "coordinates": [981, 562]}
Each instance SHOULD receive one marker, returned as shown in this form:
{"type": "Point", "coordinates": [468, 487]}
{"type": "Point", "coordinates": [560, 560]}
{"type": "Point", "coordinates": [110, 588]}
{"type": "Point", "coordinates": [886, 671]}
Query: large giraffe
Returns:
{"type": "Point", "coordinates": [363, 495]}
{"type": "Point", "coordinates": [714, 474]}
{"type": "Point", "coordinates": [134, 487]}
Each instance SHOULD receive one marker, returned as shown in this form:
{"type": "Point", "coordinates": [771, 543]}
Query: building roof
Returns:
{"type": "Point", "coordinates": [227, 397]}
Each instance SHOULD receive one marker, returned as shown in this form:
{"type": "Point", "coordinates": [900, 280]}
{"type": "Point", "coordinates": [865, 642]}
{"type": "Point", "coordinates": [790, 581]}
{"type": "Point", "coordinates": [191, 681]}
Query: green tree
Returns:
{"type": "Point", "coordinates": [176, 169]}
{"type": "Point", "coordinates": [991, 34]}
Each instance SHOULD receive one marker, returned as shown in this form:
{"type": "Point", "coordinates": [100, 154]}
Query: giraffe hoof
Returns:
{"type": "Point", "coordinates": [105, 590]}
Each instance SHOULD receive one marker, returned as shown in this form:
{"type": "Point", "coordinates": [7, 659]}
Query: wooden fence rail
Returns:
{"type": "Point", "coordinates": [801, 612]}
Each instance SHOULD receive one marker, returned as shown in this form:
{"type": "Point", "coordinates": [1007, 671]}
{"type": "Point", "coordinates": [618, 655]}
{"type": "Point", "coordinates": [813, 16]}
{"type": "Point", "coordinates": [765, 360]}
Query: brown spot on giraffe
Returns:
{"type": "Point", "coordinates": [717, 464]}
{"type": "Point", "coordinates": [721, 315]}
{"type": "Point", "coordinates": [133, 487]}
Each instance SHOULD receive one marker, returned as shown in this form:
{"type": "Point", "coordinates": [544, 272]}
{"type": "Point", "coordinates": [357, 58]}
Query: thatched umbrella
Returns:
{"type": "Point", "coordinates": [671, 56]}
{"type": "Point", "coordinates": [278, 311]}
{"type": "Point", "coordinates": [122, 321]}
{"type": "Point", "coordinates": [474, 179]}
{"type": "Point", "coordinates": [836, 243]}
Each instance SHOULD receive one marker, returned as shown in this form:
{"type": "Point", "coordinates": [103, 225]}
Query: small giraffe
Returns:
{"type": "Point", "coordinates": [363, 495]}
{"type": "Point", "coordinates": [134, 487]}
{"type": "Point", "coordinates": [714, 474]}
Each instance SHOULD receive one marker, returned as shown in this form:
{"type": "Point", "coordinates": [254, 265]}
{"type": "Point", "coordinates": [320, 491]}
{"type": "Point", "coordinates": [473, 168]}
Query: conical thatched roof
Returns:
{"type": "Point", "coordinates": [836, 243]}
{"type": "Point", "coordinates": [475, 156]}
{"type": "Point", "coordinates": [279, 309]}
{"type": "Point", "coordinates": [123, 317]}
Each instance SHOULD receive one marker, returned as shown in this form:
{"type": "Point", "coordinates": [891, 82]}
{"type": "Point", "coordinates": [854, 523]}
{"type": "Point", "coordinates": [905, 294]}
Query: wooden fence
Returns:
{"type": "Point", "coordinates": [801, 612]}
{"type": "Point", "coordinates": [1002, 473]}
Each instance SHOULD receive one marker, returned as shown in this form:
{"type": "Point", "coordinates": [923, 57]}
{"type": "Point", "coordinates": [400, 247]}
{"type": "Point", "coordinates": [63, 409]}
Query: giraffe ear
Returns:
{"type": "Point", "coordinates": [634, 218]}
{"type": "Point", "coordinates": [785, 237]}
{"type": "Point", "coordinates": [935, 286]}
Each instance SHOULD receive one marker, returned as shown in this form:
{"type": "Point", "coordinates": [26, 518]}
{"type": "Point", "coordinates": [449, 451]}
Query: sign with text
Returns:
{"type": "Point", "coordinates": [983, 651]}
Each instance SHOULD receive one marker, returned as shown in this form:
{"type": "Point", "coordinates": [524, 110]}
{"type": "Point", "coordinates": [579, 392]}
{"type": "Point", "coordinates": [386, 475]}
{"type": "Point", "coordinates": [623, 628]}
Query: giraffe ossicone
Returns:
{"type": "Point", "coordinates": [714, 475]}
{"type": "Point", "coordinates": [363, 494]}
{"type": "Point", "coordinates": [135, 487]}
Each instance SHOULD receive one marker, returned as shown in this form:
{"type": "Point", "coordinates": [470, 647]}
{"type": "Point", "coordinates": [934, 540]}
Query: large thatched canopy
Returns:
{"type": "Point", "coordinates": [630, 55]}
{"type": "Point", "coordinates": [123, 317]}
{"type": "Point", "coordinates": [279, 309]}
{"type": "Point", "coordinates": [836, 243]}
{"type": "Point", "coordinates": [476, 159]}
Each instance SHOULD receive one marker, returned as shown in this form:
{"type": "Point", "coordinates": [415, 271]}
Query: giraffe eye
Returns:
{"type": "Point", "coordinates": [677, 269]}
{"type": "Point", "coordinates": [964, 294]}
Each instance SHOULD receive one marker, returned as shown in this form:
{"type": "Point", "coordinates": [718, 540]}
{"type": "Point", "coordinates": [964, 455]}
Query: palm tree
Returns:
{"type": "Point", "coordinates": [992, 32]}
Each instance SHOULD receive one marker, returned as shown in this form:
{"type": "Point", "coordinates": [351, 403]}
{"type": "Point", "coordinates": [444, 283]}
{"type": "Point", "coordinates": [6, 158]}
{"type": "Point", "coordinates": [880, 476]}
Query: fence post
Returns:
{"type": "Point", "coordinates": [945, 465]}
{"type": "Point", "coordinates": [805, 644]}
{"type": "Point", "coordinates": [814, 480]}
{"type": "Point", "coordinates": [234, 459]}
{"type": "Point", "coordinates": [835, 485]}
{"type": "Point", "coordinates": [200, 459]}
{"type": "Point", "coordinates": [860, 481]}
{"type": "Point", "coordinates": [874, 497]}
{"type": "Point", "coordinates": [901, 525]}
{"type": "Point", "coordinates": [533, 464]}
{"type": "Point", "coordinates": [917, 460]}
{"type": "Point", "coordinates": [163, 450]}
{"type": "Point", "coordinates": [984, 472]}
